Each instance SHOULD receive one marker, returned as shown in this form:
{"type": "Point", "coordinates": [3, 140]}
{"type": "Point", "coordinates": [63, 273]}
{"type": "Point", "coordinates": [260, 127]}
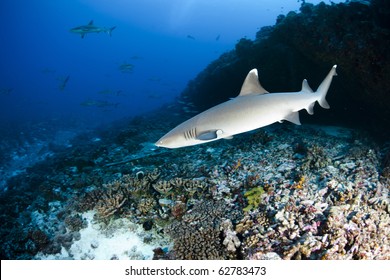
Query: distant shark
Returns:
{"type": "Point", "coordinates": [98, 103]}
{"type": "Point", "coordinates": [253, 108]}
{"type": "Point", "coordinates": [90, 28]}
{"type": "Point", "coordinates": [64, 82]}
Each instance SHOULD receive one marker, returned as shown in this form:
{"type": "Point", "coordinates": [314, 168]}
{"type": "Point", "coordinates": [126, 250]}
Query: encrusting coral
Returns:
{"type": "Point", "coordinates": [198, 234]}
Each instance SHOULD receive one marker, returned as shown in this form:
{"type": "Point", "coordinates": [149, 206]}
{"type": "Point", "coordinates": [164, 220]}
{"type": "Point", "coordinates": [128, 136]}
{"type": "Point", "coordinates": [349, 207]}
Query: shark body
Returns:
{"type": "Point", "coordinates": [90, 28]}
{"type": "Point", "coordinates": [253, 108]}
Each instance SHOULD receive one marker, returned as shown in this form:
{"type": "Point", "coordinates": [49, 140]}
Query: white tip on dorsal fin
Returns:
{"type": "Point", "coordinates": [251, 84]}
{"type": "Point", "coordinates": [305, 87]}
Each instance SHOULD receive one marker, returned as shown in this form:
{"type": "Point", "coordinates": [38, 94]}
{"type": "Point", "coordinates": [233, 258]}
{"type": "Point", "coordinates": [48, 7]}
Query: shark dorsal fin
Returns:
{"type": "Point", "coordinates": [91, 22]}
{"type": "Point", "coordinates": [251, 84]}
{"type": "Point", "coordinates": [305, 87]}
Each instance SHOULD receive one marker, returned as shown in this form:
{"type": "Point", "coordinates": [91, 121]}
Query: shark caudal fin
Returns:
{"type": "Point", "coordinates": [324, 86]}
{"type": "Point", "coordinates": [110, 30]}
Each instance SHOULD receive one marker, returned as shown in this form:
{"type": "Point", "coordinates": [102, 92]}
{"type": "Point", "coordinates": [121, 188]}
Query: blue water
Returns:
{"type": "Point", "coordinates": [73, 124]}
{"type": "Point", "coordinates": [167, 42]}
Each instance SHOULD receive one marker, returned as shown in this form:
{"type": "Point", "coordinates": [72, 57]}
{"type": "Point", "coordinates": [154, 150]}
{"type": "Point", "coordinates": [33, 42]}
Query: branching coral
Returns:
{"type": "Point", "coordinates": [163, 187]}
{"type": "Point", "coordinates": [146, 205]}
{"type": "Point", "coordinates": [110, 204]}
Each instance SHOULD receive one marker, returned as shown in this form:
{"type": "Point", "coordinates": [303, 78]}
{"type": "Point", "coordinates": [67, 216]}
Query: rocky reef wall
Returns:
{"type": "Point", "coordinates": [354, 35]}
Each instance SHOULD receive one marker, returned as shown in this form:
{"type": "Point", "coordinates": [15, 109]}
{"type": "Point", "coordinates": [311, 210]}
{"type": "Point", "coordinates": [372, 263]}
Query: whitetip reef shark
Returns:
{"type": "Point", "coordinates": [253, 108]}
{"type": "Point", "coordinates": [90, 28]}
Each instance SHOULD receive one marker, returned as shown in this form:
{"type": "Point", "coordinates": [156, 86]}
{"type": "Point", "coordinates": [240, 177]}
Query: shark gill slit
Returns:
{"type": "Point", "coordinates": [190, 134]}
{"type": "Point", "coordinates": [187, 134]}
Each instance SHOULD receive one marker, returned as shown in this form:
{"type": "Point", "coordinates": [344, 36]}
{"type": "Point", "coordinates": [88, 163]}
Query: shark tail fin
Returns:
{"type": "Point", "coordinates": [110, 30]}
{"type": "Point", "coordinates": [324, 86]}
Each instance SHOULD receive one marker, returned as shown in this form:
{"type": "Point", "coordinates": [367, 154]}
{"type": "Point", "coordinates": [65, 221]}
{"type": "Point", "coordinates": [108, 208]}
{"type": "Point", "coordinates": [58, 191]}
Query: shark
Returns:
{"type": "Point", "coordinates": [64, 82]}
{"type": "Point", "coordinates": [98, 103]}
{"type": "Point", "coordinates": [253, 108]}
{"type": "Point", "coordinates": [90, 28]}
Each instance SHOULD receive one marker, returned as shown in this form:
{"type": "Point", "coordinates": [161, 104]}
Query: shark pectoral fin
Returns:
{"type": "Point", "coordinates": [209, 135]}
{"type": "Point", "coordinates": [90, 23]}
{"type": "Point", "coordinates": [309, 108]}
{"type": "Point", "coordinates": [293, 117]}
{"type": "Point", "coordinates": [82, 35]}
{"type": "Point", "coordinates": [110, 30]}
{"type": "Point", "coordinates": [251, 84]}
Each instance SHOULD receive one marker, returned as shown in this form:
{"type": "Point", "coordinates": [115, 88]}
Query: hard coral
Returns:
{"type": "Point", "coordinates": [74, 222]}
{"type": "Point", "coordinates": [316, 158]}
{"type": "Point", "coordinates": [110, 203]}
{"type": "Point", "coordinates": [231, 241]}
{"type": "Point", "coordinates": [203, 244]}
{"type": "Point", "coordinates": [197, 235]}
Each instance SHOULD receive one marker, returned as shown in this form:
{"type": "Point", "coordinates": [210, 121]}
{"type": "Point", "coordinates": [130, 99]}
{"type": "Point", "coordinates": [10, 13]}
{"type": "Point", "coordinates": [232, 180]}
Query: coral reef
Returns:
{"type": "Point", "coordinates": [254, 198]}
{"type": "Point", "coordinates": [303, 193]}
{"type": "Point", "coordinates": [197, 235]}
{"type": "Point", "coordinates": [230, 241]}
{"type": "Point", "coordinates": [203, 244]}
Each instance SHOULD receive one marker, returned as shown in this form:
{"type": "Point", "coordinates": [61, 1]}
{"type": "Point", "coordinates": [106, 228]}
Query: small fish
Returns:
{"type": "Point", "coordinates": [105, 91]}
{"type": "Point", "coordinates": [190, 37]}
{"type": "Point", "coordinates": [48, 71]}
{"type": "Point", "coordinates": [90, 28]}
{"type": "Point", "coordinates": [111, 92]}
{"type": "Point", "coordinates": [154, 79]}
{"type": "Point", "coordinates": [98, 103]}
{"type": "Point", "coordinates": [253, 108]}
{"type": "Point", "coordinates": [126, 67]}
{"type": "Point", "coordinates": [63, 83]}
{"type": "Point", "coordinates": [217, 38]}
{"type": "Point", "coordinates": [155, 96]}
